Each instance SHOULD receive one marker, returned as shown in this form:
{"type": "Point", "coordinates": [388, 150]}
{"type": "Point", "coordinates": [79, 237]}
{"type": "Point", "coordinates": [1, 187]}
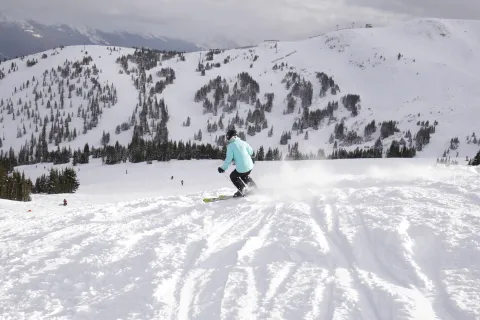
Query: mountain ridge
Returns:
{"type": "Point", "coordinates": [24, 37]}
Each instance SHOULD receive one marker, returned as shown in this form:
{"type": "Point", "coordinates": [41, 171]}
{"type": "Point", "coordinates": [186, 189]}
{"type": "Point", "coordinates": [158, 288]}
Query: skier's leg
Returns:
{"type": "Point", "coordinates": [245, 177]}
{"type": "Point", "coordinates": [248, 180]}
{"type": "Point", "coordinates": [235, 177]}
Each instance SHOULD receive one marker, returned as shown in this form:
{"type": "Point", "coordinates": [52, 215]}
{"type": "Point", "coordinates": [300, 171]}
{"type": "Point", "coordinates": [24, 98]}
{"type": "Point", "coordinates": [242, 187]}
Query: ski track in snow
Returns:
{"type": "Point", "coordinates": [359, 250]}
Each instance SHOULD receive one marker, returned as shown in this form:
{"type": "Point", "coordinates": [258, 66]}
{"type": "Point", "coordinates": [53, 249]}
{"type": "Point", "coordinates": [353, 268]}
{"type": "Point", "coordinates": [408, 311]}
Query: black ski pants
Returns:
{"type": "Point", "coordinates": [238, 177]}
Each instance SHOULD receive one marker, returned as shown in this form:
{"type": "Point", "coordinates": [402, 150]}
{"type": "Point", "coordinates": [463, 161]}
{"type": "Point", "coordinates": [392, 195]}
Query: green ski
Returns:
{"type": "Point", "coordinates": [220, 197]}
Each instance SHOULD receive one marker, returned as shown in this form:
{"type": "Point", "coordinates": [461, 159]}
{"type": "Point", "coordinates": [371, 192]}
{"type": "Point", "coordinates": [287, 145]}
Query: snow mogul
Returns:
{"type": "Point", "coordinates": [240, 152]}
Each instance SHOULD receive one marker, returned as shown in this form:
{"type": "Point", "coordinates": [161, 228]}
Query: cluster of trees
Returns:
{"type": "Point", "coordinates": [146, 58]}
{"type": "Point", "coordinates": [31, 63]}
{"type": "Point", "coordinates": [447, 161]}
{"type": "Point", "coordinates": [269, 104]}
{"type": "Point", "coordinates": [57, 181]}
{"type": "Point", "coordinates": [160, 85]}
{"type": "Point", "coordinates": [256, 120]}
{"type": "Point", "coordinates": [339, 131]}
{"type": "Point", "coordinates": [356, 154]}
{"type": "Point", "coordinates": [271, 155]}
{"type": "Point", "coordinates": [338, 153]}
{"type": "Point", "coordinates": [327, 84]}
{"type": "Point", "coordinates": [244, 90]}
{"type": "Point", "coordinates": [13, 66]}
{"type": "Point", "coordinates": [388, 128]}
{"type": "Point", "coordinates": [295, 154]}
{"type": "Point", "coordinates": [81, 157]}
{"type": "Point", "coordinates": [141, 150]}
{"type": "Point", "coordinates": [220, 88]}
{"type": "Point", "coordinates": [313, 119]}
{"type": "Point", "coordinates": [53, 90]}
{"type": "Point", "coordinates": [211, 53]}
{"type": "Point", "coordinates": [247, 90]}
{"type": "Point", "coordinates": [422, 138]}
{"type": "Point", "coordinates": [454, 142]}
{"type": "Point", "coordinates": [286, 135]}
{"type": "Point", "coordinates": [304, 91]}
{"type": "Point", "coordinates": [399, 149]}
{"type": "Point", "coordinates": [198, 136]}
{"type": "Point", "coordinates": [473, 139]}
{"type": "Point", "coordinates": [211, 127]}
{"type": "Point", "coordinates": [351, 103]}
{"type": "Point", "coordinates": [14, 185]}
{"type": "Point", "coordinates": [370, 129]}
{"type": "Point", "coordinates": [300, 89]}
{"type": "Point", "coordinates": [36, 150]}
{"type": "Point", "coordinates": [344, 136]}
{"type": "Point", "coordinates": [202, 68]}
{"type": "Point", "coordinates": [280, 66]}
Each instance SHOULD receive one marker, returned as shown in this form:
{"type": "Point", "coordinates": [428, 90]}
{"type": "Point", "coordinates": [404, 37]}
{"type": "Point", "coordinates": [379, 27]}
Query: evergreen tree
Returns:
{"type": "Point", "coordinates": [70, 182]}
{"type": "Point", "coordinates": [475, 161]}
{"type": "Point", "coordinates": [14, 186]}
{"type": "Point", "coordinates": [260, 154]}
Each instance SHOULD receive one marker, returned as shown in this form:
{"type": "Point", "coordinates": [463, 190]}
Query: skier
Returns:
{"type": "Point", "coordinates": [64, 202]}
{"type": "Point", "coordinates": [241, 153]}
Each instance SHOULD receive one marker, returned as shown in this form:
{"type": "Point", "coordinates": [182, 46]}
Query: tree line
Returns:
{"type": "Point", "coordinates": [16, 186]}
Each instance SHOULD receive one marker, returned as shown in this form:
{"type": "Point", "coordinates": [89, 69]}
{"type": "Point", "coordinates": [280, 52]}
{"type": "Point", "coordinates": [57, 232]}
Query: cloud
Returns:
{"type": "Point", "coordinates": [245, 21]}
{"type": "Point", "coordinates": [457, 9]}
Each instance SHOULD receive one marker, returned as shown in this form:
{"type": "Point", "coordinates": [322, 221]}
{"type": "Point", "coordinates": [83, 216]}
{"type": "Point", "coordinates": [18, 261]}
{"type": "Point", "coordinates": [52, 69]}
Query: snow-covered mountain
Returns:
{"type": "Point", "coordinates": [354, 239]}
{"type": "Point", "coordinates": [416, 80]}
{"type": "Point", "coordinates": [20, 38]}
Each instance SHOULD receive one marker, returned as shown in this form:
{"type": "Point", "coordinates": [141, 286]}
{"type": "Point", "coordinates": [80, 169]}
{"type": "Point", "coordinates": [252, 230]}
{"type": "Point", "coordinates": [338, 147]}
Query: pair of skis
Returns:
{"type": "Point", "coordinates": [225, 197]}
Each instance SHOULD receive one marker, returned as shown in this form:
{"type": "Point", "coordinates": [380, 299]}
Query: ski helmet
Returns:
{"type": "Point", "coordinates": [231, 133]}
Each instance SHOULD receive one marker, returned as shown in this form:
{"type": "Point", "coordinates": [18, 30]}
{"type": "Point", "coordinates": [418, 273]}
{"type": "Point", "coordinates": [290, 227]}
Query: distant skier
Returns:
{"type": "Point", "coordinates": [64, 202]}
{"type": "Point", "coordinates": [182, 182]}
{"type": "Point", "coordinates": [240, 152]}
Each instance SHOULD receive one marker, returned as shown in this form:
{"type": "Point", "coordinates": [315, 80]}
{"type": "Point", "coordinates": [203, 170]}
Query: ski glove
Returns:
{"type": "Point", "coordinates": [220, 170]}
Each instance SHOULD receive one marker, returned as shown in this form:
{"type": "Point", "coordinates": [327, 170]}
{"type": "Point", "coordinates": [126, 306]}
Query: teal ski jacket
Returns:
{"type": "Point", "coordinates": [240, 152]}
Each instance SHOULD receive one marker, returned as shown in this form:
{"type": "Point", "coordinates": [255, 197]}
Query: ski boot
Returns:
{"type": "Point", "coordinates": [238, 194]}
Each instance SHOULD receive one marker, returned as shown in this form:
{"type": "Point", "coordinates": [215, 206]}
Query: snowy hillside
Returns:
{"type": "Point", "coordinates": [364, 239]}
{"type": "Point", "coordinates": [416, 80]}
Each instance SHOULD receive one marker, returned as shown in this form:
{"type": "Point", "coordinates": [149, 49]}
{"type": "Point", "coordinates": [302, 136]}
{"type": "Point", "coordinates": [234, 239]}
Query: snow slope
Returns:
{"type": "Point", "coordinates": [346, 239]}
{"type": "Point", "coordinates": [433, 80]}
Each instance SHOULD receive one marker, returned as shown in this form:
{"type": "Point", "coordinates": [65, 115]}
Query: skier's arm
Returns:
{"type": "Point", "coordinates": [249, 150]}
{"type": "Point", "coordinates": [228, 159]}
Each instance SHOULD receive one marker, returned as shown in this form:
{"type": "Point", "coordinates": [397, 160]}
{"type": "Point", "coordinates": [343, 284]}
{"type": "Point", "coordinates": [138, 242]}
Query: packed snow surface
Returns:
{"type": "Point", "coordinates": [354, 239]}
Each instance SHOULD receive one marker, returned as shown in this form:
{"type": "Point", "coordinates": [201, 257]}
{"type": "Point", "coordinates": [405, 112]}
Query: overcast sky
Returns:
{"type": "Point", "coordinates": [244, 21]}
